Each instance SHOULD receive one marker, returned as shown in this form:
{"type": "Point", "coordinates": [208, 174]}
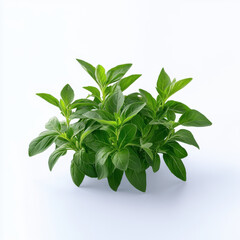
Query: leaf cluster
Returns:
{"type": "Point", "coordinates": [112, 133]}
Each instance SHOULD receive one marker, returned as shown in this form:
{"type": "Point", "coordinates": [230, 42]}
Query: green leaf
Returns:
{"type": "Point", "coordinates": [175, 165]}
{"type": "Point", "coordinates": [56, 155]}
{"type": "Point", "coordinates": [114, 179]}
{"type": "Point", "coordinates": [85, 161]}
{"type": "Point", "coordinates": [177, 149]}
{"type": "Point", "coordinates": [83, 103]}
{"type": "Point", "coordinates": [100, 116]}
{"type": "Point", "coordinates": [124, 83]}
{"type": "Point", "coordinates": [88, 68]}
{"type": "Point", "coordinates": [49, 98]}
{"type": "Point", "coordinates": [131, 110]}
{"type": "Point", "coordinates": [100, 75]}
{"type": "Point", "coordinates": [120, 159]}
{"type": "Point", "coordinates": [156, 163]}
{"type": "Point", "coordinates": [115, 101]}
{"type": "Point", "coordinates": [95, 92]}
{"type": "Point", "coordinates": [194, 118]}
{"type": "Point", "coordinates": [67, 94]}
{"type": "Point", "coordinates": [163, 82]}
{"type": "Point", "coordinates": [184, 136]}
{"type": "Point", "coordinates": [101, 162]}
{"type": "Point", "coordinates": [137, 179]}
{"type": "Point", "coordinates": [42, 142]}
{"type": "Point", "coordinates": [53, 124]}
{"type": "Point", "coordinates": [88, 131]}
{"type": "Point", "coordinates": [151, 102]}
{"type": "Point", "coordinates": [127, 134]}
{"type": "Point", "coordinates": [179, 85]}
{"type": "Point", "coordinates": [116, 73]}
{"type": "Point", "coordinates": [176, 107]}
{"type": "Point", "coordinates": [171, 115]}
{"type": "Point", "coordinates": [77, 175]}
{"type": "Point", "coordinates": [134, 160]}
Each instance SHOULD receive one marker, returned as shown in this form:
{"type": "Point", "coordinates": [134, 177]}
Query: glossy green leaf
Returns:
{"type": "Point", "coordinates": [88, 68]}
{"type": "Point", "coordinates": [137, 179]}
{"type": "Point", "coordinates": [67, 94]}
{"type": "Point", "coordinates": [49, 98]}
{"type": "Point", "coordinates": [177, 149]}
{"type": "Point", "coordinates": [134, 160]}
{"type": "Point", "coordinates": [194, 118]}
{"type": "Point", "coordinates": [177, 107]}
{"type": "Point", "coordinates": [114, 179]}
{"type": "Point", "coordinates": [120, 159]}
{"type": "Point", "coordinates": [163, 82]}
{"type": "Point", "coordinates": [42, 142]}
{"type": "Point", "coordinates": [76, 174]}
{"type": "Point", "coordinates": [151, 102]}
{"type": "Point", "coordinates": [184, 136]}
{"type": "Point", "coordinates": [131, 110]}
{"type": "Point", "coordinates": [100, 75]}
{"type": "Point", "coordinates": [56, 155]}
{"type": "Point", "coordinates": [124, 83]}
{"type": "Point", "coordinates": [156, 163]}
{"type": "Point", "coordinates": [175, 165]}
{"type": "Point", "coordinates": [179, 85]}
{"type": "Point", "coordinates": [116, 73]}
{"type": "Point", "coordinates": [127, 134]}
{"type": "Point", "coordinates": [95, 92]}
{"type": "Point", "coordinates": [115, 101]}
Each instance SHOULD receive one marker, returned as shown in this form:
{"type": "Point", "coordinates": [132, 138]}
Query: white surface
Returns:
{"type": "Point", "coordinates": [39, 43]}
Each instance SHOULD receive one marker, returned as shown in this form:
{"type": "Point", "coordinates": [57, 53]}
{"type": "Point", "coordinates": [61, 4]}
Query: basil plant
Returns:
{"type": "Point", "coordinates": [112, 133]}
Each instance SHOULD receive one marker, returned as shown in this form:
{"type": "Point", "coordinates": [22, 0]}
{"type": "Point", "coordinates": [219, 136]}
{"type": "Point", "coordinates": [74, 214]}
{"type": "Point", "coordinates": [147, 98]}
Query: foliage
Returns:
{"type": "Point", "coordinates": [112, 134]}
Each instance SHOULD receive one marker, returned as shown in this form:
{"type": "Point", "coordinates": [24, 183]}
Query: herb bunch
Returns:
{"type": "Point", "coordinates": [112, 133]}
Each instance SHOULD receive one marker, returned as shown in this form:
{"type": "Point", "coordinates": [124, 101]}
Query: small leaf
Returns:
{"type": "Point", "coordinates": [175, 165]}
{"type": "Point", "coordinates": [127, 134]}
{"type": "Point", "coordinates": [88, 68]}
{"type": "Point", "coordinates": [177, 149]}
{"type": "Point", "coordinates": [120, 159]}
{"type": "Point", "coordinates": [193, 118]}
{"type": "Point", "coordinates": [137, 179]}
{"type": "Point", "coordinates": [100, 75]}
{"type": "Point", "coordinates": [151, 102]}
{"type": "Point", "coordinates": [163, 82]}
{"type": "Point", "coordinates": [49, 98]}
{"type": "Point", "coordinates": [115, 101]}
{"type": "Point", "coordinates": [67, 94]}
{"type": "Point", "coordinates": [156, 163]}
{"type": "Point", "coordinates": [88, 131]}
{"type": "Point", "coordinates": [95, 92]}
{"type": "Point", "coordinates": [124, 83]}
{"type": "Point", "coordinates": [171, 115]}
{"type": "Point", "coordinates": [177, 107]}
{"type": "Point", "coordinates": [134, 160]}
{"type": "Point", "coordinates": [179, 85]}
{"type": "Point", "coordinates": [53, 124]}
{"type": "Point", "coordinates": [114, 179]}
{"type": "Point", "coordinates": [56, 155]}
{"type": "Point", "coordinates": [184, 136]}
{"type": "Point", "coordinates": [131, 110]}
{"type": "Point", "coordinates": [116, 73]}
{"type": "Point", "coordinates": [77, 175]}
{"type": "Point", "coordinates": [83, 103]}
{"type": "Point", "coordinates": [42, 142]}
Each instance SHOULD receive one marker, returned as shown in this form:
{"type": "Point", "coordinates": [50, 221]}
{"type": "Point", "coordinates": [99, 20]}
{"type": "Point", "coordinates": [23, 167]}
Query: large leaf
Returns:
{"type": "Point", "coordinates": [184, 136]}
{"type": "Point", "coordinates": [116, 73]}
{"type": "Point", "coordinates": [131, 110]}
{"type": "Point", "coordinates": [176, 148]}
{"type": "Point", "coordinates": [49, 98]}
{"type": "Point", "coordinates": [124, 83]}
{"type": "Point", "coordinates": [114, 179]}
{"type": "Point", "coordinates": [67, 94]}
{"type": "Point", "coordinates": [127, 134]}
{"type": "Point", "coordinates": [177, 107]}
{"type": "Point", "coordinates": [179, 85]}
{"type": "Point", "coordinates": [175, 165]}
{"type": "Point", "coordinates": [163, 82]}
{"type": "Point", "coordinates": [120, 159]}
{"type": "Point", "coordinates": [115, 101]}
{"type": "Point", "coordinates": [134, 160]}
{"type": "Point", "coordinates": [42, 142]}
{"type": "Point", "coordinates": [53, 124]}
{"type": "Point", "coordinates": [103, 163]}
{"type": "Point", "coordinates": [100, 75]}
{"type": "Point", "coordinates": [56, 155]}
{"type": "Point", "coordinates": [88, 67]}
{"type": "Point", "coordinates": [151, 102]}
{"type": "Point", "coordinates": [137, 179]}
{"type": "Point", "coordinates": [194, 118]}
{"type": "Point", "coordinates": [77, 175]}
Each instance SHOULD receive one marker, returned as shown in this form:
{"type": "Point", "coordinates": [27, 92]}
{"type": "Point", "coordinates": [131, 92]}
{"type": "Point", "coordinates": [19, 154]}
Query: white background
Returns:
{"type": "Point", "coordinates": [39, 43]}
